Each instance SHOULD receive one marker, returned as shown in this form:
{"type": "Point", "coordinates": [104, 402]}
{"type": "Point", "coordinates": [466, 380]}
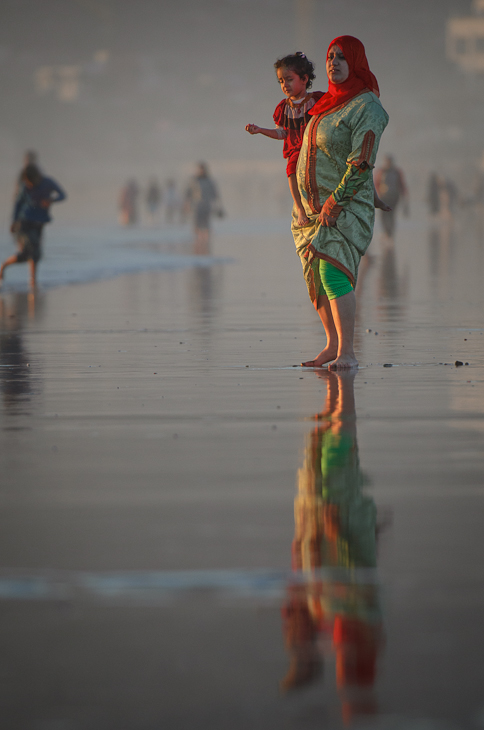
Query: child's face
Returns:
{"type": "Point", "coordinates": [292, 85]}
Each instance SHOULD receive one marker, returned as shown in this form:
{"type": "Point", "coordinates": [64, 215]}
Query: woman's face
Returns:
{"type": "Point", "coordinates": [337, 66]}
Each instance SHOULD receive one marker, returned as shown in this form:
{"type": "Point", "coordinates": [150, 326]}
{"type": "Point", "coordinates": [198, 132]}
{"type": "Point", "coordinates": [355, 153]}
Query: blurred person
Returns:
{"type": "Point", "coordinates": [153, 199]}
{"type": "Point", "coordinates": [433, 194]}
{"type": "Point", "coordinates": [172, 201]}
{"type": "Point", "coordinates": [200, 200]}
{"type": "Point", "coordinates": [448, 197]}
{"type": "Point", "coordinates": [341, 222]}
{"type": "Point", "coordinates": [391, 188]}
{"type": "Point", "coordinates": [128, 203]}
{"type": "Point", "coordinates": [30, 214]}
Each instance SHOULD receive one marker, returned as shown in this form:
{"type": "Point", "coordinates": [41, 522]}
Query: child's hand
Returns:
{"type": "Point", "coordinates": [252, 128]}
{"type": "Point", "coordinates": [302, 219]}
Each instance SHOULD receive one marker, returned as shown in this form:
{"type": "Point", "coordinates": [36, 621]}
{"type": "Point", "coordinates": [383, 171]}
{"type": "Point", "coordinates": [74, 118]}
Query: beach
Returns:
{"type": "Point", "coordinates": [156, 427]}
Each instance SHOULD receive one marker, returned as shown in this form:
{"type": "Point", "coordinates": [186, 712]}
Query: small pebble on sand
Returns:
{"type": "Point", "coordinates": [458, 363]}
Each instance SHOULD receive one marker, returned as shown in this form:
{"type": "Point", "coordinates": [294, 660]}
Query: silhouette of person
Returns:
{"type": "Point", "coordinates": [30, 214]}
{"type": "Point", "coordinates": [390, 186]}
{"type": "Point", "coordinates": [200, 199]}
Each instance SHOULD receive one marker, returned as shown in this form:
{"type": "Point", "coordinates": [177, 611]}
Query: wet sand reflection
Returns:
{"type": "Point", "coordinates": [335, 528]}
{"type": "Point", "coordinates": [16, 380]}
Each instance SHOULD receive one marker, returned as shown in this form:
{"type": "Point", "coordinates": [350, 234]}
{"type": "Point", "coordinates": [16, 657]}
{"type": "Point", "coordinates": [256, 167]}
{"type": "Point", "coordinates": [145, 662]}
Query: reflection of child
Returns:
{"type": "Point", "coordinates": [295, 74]}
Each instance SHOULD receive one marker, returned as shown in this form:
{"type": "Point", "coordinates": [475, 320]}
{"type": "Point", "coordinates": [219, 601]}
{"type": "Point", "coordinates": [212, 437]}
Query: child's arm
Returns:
{"type": "Point", "coordinates": [278, 133]}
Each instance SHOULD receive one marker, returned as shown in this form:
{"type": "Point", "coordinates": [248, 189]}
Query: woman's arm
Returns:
{"type": "Point", "coordinates": [278, 133]}
{"type": "Point", "coordinates": [367, 128]}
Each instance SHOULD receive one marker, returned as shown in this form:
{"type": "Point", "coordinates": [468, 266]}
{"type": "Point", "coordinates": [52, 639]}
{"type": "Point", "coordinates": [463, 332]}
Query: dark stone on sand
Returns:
{"type": "Point", "coordinates": [388, 365]}
{"type": "Point", "coordinates": [466, 363]}
{"type": "Point", "coordinates": [458, 363]}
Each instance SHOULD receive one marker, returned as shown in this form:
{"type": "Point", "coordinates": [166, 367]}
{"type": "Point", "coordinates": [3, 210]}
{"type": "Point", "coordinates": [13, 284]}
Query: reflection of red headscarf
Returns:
{"type": "Point", "coordinates": [360, 76]}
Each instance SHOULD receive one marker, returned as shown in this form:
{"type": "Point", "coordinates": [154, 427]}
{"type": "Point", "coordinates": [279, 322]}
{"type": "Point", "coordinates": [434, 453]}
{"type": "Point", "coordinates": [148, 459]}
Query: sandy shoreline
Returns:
{"type": "Point", "coordinates": [135, 438]}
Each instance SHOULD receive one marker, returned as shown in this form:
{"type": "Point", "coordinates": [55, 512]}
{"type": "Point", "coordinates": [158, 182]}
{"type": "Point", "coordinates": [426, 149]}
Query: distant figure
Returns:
{"type": "Point", "coordinates": [172, 201]}
{"type": "Point", "coordinates": [30, 214]}
{"type": "Point", "coordinates": [478, 189]}
{"type": "Point", "coordinates": [200, 199]}
{"type": "Point", "coordinates": [442, 196]}
{"type": "Point", "coordinates": [390, 186]}
{"type": "Point", "coordinates": [448, 197]}
{"type": "Point", "coordinates": [433, 195]}
{"type": "Point", "coordinates": [153, 199]}
{"type": "Point", "coordinates": [128, 203]}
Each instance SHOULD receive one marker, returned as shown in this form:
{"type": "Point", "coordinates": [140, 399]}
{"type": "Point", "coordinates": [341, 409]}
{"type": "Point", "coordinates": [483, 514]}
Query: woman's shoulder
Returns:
{"type": "Point", "coordinates": [367, 103]}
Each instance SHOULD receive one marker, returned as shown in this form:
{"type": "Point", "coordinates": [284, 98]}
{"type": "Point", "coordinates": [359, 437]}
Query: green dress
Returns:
{"type": "Point", "coordinates": [335, 171]}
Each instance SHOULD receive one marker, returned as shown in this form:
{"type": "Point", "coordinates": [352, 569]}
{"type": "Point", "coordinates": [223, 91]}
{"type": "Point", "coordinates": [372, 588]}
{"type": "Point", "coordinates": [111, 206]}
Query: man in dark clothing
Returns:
{"type": "Point", "coordinates": [30, 213]}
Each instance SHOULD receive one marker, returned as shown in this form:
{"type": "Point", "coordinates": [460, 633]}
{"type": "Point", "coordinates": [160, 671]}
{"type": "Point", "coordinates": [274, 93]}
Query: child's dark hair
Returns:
{"type": "Point", "coordinates": [300, 64]}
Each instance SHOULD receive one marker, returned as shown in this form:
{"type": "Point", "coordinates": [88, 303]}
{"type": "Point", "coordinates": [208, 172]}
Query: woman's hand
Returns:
{"type": "Point", "coordinates": [252, 128]}
{"type": "Point", "coordinates": [327, 220]}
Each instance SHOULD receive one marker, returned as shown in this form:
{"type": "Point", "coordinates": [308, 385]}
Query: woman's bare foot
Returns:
{"type": "Point", "coordinates": [327, 355]}
{"type": "Point", "coordinates": [343, 362]}
{"type": "Point", "coordinates": [302, 219]}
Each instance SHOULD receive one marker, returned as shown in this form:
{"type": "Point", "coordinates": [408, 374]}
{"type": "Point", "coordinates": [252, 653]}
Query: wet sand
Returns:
{"type": "Point", "coordinates": [157, 443]}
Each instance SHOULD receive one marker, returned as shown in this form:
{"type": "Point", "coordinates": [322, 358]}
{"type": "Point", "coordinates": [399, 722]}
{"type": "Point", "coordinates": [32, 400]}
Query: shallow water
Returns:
{"type": "Point", "coordinates": [196, 533]}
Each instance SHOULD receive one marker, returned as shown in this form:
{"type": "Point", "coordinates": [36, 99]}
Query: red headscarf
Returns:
{"type": "Point", "coordinates": [360, 76]}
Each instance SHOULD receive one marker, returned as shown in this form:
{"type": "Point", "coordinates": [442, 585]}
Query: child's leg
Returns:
{"type": "Point", "coordinates": [302, 219]}
{"type": "Point", "coordinates": [12, 260]}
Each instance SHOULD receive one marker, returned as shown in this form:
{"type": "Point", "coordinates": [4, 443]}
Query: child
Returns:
{"type": "Point", "coordinates": [295, 74]}
{"type": "Point", "coordinates": [30, 214]}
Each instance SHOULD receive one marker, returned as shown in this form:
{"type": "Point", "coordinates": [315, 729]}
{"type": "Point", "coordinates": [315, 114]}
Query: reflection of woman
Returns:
{"type": "Point", "coordinates": [335, 528]}
{"type": "Point", "coordinates": [335, 180]}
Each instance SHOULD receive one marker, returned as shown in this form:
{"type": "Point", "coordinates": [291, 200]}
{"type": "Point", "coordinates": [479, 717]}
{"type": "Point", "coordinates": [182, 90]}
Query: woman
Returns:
{"type": "Point", "coordinates": [335, 181]}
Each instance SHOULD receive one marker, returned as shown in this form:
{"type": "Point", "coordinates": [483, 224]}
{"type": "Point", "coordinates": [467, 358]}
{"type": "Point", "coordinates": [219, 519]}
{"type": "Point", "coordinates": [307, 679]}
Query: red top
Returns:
{"type": "Point", "coordinates": [293, 118]}
{"type": "Point", "coordinates": [360, 76]}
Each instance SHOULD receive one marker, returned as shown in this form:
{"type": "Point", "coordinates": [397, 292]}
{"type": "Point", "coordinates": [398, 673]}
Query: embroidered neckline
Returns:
{"type": "Point", "coordinates": [299, 103]}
